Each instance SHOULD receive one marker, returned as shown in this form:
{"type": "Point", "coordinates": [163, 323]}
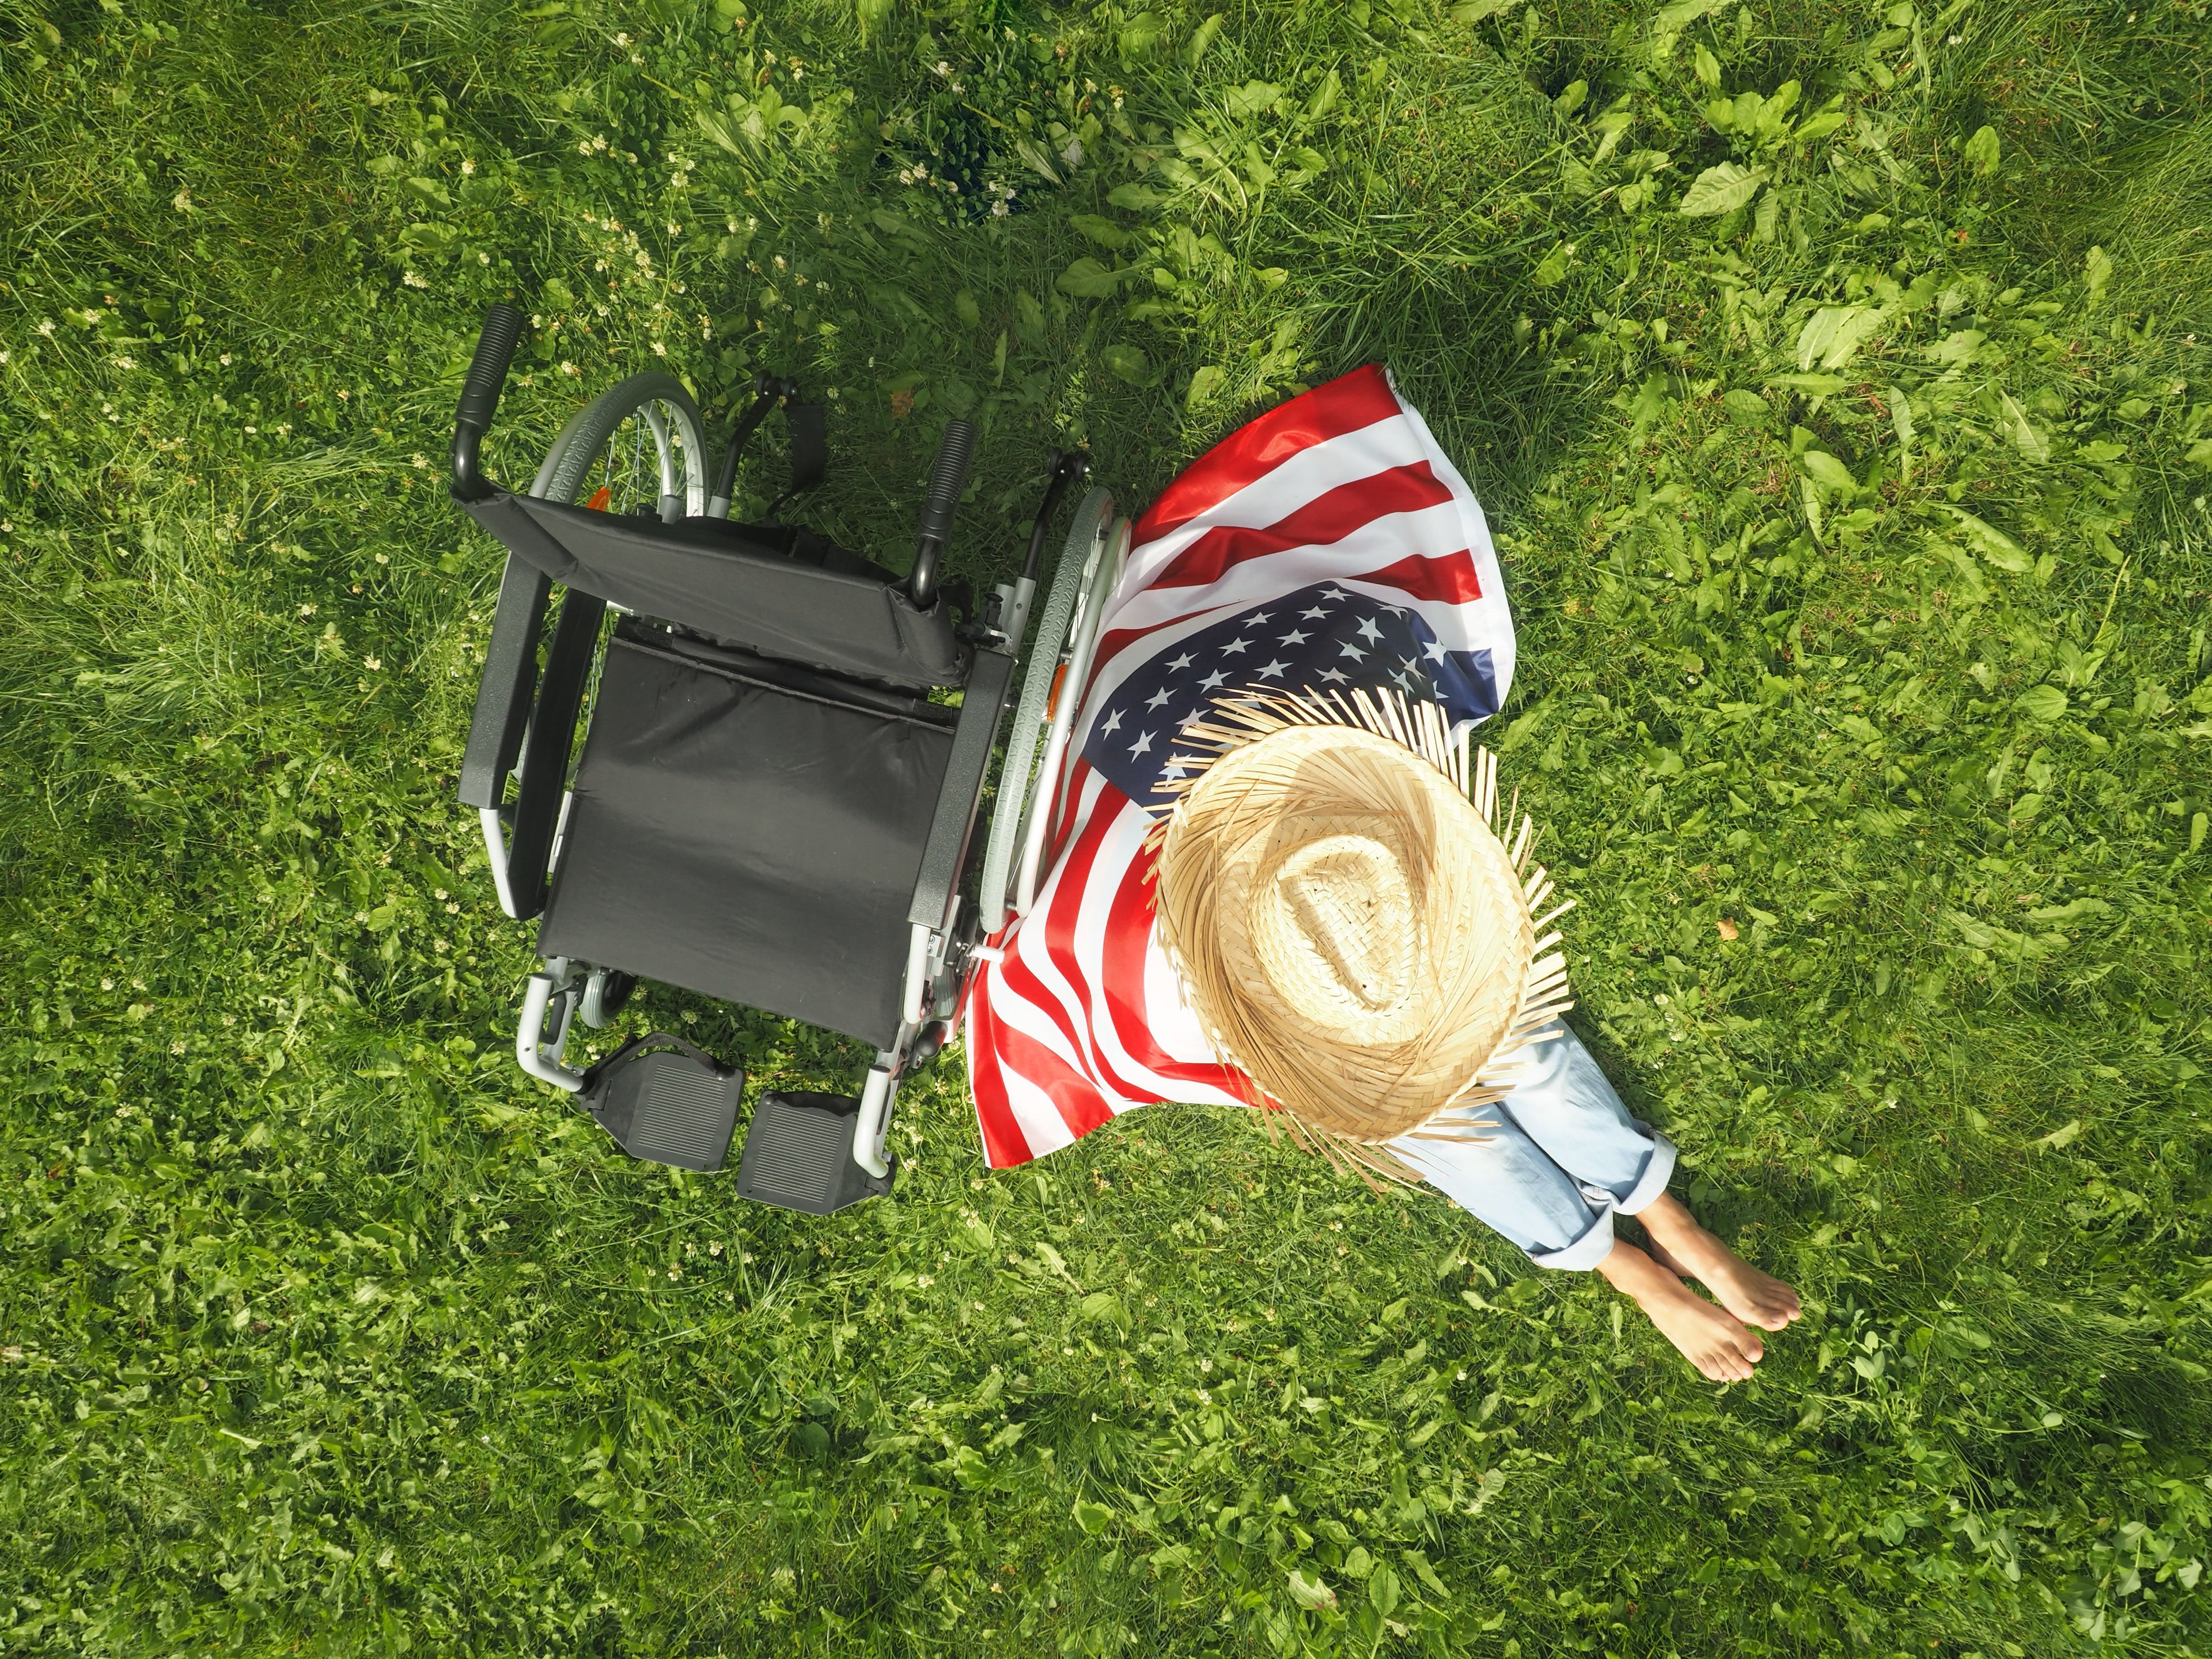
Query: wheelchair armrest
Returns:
{"type": "Point", "coordinates": [551, 737]}
{"type": "Point", "coordinates": [981, 705]}
{"type": "Point", "coordinates": [510, 674]}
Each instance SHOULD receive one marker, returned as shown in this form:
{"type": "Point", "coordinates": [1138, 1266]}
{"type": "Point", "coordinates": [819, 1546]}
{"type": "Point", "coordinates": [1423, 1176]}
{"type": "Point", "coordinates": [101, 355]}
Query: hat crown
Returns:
{"type": "Point", "coordinates": [1337, 928]}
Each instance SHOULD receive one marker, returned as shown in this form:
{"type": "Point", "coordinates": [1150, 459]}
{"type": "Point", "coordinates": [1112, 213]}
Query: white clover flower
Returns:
{"type": "Point", "coordinates": [468, 169]}
{"type": "Point", "coordinates": [623, 40]}
{"type": "Point", "coordinates": [944, 68]}
{"type": "Point", "coordinates": [413, 279]}
{"type": "Point", "coordinates": [372, 663]}
{"type": "Point", "coordinates": [45, 325]}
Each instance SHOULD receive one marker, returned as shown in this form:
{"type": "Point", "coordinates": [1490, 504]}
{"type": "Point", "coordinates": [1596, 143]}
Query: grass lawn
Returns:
{"type": "Point", "coordinates": [1833, 377]}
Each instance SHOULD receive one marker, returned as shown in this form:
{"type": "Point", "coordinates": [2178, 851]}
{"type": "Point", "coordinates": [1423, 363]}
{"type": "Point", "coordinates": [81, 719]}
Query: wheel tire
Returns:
{"type": "Point", "coordinates": [605, 991]}
{"type": "Point", "coordinates": [672, 419]}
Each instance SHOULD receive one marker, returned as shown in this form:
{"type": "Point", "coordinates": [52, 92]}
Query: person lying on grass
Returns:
{"type": "Point", "coordinates": [1279, 878]}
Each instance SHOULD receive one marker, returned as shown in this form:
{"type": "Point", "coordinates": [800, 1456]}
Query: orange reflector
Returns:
{"type": "Point", "coordinates": [1052, 702]}
{"type": "Point", "coordinates": [600, 497]}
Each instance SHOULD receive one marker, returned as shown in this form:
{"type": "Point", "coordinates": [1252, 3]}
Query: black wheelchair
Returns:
{"type": "Point", "coordinates": [721, 767]}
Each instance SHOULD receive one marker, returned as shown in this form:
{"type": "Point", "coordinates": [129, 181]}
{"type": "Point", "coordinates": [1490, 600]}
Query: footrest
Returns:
{"type": "Point", "coordinates": [798, 1155]}
{"type": "Point", "coordinates": [668, 1106]}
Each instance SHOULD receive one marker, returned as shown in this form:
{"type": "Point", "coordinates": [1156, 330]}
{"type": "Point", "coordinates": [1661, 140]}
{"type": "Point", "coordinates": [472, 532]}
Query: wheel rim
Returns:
{"type": "Point", "coordinates": [638, 448]}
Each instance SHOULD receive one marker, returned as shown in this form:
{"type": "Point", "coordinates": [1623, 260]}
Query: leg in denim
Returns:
{"type": "Point", "coordinates": [1565, 1157]}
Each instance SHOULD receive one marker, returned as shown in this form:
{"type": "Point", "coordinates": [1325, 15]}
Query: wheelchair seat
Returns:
{"type": "Point", "coordinates": [748, 830]}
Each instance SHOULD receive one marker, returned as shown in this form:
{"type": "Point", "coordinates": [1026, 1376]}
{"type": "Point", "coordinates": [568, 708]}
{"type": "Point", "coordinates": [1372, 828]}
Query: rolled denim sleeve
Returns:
{"type": "Point", "coordinates": [1564, 1156]}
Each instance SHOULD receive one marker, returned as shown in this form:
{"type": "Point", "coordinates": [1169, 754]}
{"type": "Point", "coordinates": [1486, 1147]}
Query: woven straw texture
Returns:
{"type": "Point", "coordinates": [1353, 932]}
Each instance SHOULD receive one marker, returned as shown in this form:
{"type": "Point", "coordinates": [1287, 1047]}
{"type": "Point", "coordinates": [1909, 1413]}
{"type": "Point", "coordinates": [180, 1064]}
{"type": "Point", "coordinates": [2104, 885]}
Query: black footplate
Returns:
{"type": "Point", "coordinates": [798, 1155]}
{"type": "Point", "coordinates": [666, 1101]}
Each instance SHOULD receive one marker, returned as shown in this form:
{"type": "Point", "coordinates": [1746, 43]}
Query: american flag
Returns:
{"type": "Point", "coordinates": [1328, 544]}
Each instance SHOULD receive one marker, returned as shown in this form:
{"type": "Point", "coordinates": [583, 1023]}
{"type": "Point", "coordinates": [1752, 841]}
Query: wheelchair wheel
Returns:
{"type": "Point", "coordinates": [638, 447]}
{"type": "Point", "coordinates": [1042, 674]}
{"type": "Point", "coordinates": [605, 990]}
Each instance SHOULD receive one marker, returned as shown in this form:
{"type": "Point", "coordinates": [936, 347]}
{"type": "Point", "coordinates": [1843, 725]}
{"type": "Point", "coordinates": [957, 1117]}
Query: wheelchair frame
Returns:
{"type": "Point", "coordinates": [531, 726]}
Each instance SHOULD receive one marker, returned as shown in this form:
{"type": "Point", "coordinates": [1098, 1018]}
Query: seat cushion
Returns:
{"type": "Point", "coordinates": [746, 840]}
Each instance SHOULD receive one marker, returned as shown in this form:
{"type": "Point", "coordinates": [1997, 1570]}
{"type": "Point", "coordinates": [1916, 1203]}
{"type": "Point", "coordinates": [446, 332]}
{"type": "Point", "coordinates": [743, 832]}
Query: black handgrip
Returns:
{"type": "Point", "coordinates": [495, 345]}
{"type": "Point", "coordinates": [947, 479]}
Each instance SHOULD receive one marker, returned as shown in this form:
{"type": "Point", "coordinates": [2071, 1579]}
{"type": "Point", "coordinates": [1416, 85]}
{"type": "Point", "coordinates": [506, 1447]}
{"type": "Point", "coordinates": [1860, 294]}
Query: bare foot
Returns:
{"type": "Point", "coordinates": [1707, 1337]}
{"type": "Point", "coordinates": [1679, 1244]}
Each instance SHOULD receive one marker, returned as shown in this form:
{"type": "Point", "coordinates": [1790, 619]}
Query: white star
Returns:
{"type": "Point", "coordinates": [1234, 647]}
{"type": "Point", "coordinates": [1112, 724]}
{"type": "Point", "coordinates": [1310, 615]}
{"type": "Point", "coordinates": [1334, 674]}
{"type": "Point", "coordinates": [1273, 670]}
{"type": "Point", "coordinates": [1259, 616]}
{"type": "Point", "coordinates": [1183, 661]}
{"type": "Point", "coordinates": [1212, 682]}
{"type": "Point", "coordinates": [1142, 746]}
{"type": "Point", "coordinates": [1293, 637]}
{"type": "Point", "coordinates": [1334, 593]}
{"type": "Point", "coordinates": [1435, 650]}
{"type": "Point", "coordinates": [1354, 652]}
{"type": "Point", "coordinates": [1172, 771]}
{"type": "Point", "coordinates": [1370, 632]}
{"type": "Point", "coordinates": [1159, 699]}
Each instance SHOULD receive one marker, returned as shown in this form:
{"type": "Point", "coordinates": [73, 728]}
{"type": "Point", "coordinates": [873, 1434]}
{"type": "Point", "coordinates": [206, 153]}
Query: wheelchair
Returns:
{"type": "Point", "coordinates": [718, 764]}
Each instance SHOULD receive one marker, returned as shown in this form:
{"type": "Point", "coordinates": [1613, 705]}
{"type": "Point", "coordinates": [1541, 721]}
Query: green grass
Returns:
{"type": "Point", "coordinates": [323, 1331]}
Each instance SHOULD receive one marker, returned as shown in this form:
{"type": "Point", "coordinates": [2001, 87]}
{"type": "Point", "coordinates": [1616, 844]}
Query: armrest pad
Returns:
{"type": "Point", "coordinates": [981, 705]}
{"type": "Point", "coordinates": [552, 736]}
{"type": "Point", "coordinates": [510, 674]}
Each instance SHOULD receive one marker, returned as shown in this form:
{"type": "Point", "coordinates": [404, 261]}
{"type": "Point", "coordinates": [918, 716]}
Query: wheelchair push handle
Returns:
{"type": "Point", "coordinates": [947, 478]}
{"type": "Point", "coordinates": [495, 353]}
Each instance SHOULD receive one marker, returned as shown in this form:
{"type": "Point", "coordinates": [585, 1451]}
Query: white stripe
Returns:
{"type": "Point", "coordinates": [1479, 624]}
{"type": "Point", "coordinates": [1034, 1113]}
{"type": "Point", "coordinates": [1298, 481]}
{"type": "Point", "coordinates": [1119, 852]}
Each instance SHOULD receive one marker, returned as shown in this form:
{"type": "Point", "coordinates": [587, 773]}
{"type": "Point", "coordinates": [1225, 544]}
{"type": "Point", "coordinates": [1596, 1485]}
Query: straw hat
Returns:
{"type": "Point", "coordinates": [1355, 937]}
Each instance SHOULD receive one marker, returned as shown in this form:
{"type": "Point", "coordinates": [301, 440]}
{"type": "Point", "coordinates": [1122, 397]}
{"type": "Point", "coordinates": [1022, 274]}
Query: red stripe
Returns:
{"type": "Point", "coordinates": [1004, 1144]}
{"type": "Point", "coordinates": [1074, 1096]}
{"type": "Point", "coordinates": [1345, 404]}
{"type": "Point", "coordinates": [1064, 809]}
{"type": "Point", "coordinates": [1129, 937]}
{"type": "Point", "coordinates": [1079, 878]}
{"type": "Point", "coordinates": [1450, 577]}
{"type": "Point", "coordinates": [1325, 520]}
{"type": "Point", "coordinates": [1017, 978]}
